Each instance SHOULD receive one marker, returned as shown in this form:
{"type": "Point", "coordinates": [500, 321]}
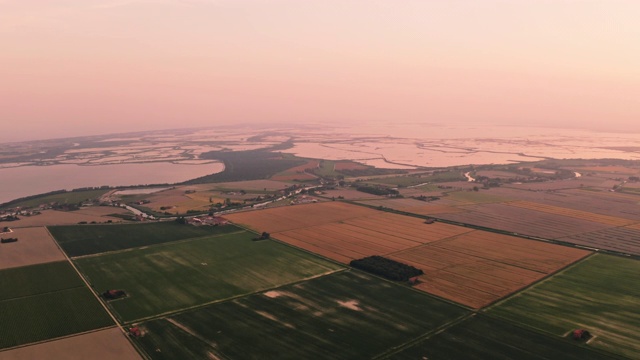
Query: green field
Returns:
{"type": "Point", "coordinates": [348, 315]}
{"type": "Point", "coordinates": [600, 294]}
{"type": "Point", "coordinates": [175, 276]}
{"type": "Point", "coordinates": [37, 279]}
{"type": "Point", "coordinates": [485, 338]}
{"type": "Point", "coordinates": [78, 240]}
{"type": "Point", "coordinates": [46, 301]}
{"type": "Point", "coordinates": [69, 197]}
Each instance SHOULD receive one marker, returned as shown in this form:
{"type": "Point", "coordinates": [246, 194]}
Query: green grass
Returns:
{"type": "Point", "coordinates": [78, 240]}
{"type": "Point", "coordinates": [47, 301]}
{"type": "Point", "coordinates": [348, 315]}
{"type": "Point", "coordinates": [600, 294]}
{"type": "Point", "coordinates": [175, 276]}
{"type": "Point", "coordinates": [69, 197]}
{"type": "Point", "coordinates": [485, 338]}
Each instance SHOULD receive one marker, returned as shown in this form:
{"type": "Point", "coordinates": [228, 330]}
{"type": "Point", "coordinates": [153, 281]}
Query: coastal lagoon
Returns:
{"type": "Point", "coordinates": [23, 181]}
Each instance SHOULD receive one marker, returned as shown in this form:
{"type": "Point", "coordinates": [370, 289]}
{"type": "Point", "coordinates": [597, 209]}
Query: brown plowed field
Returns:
{"type": "Point", "coordinates": [345, 232]}
{"type": "Point", "coordinates": [103, 344]}
{"type": "Point", "coordinates": [478, 267]}
{"type": "Point", "coordinates": [299, 216]}
{"type": "Point", "coordinates": [34, 246]}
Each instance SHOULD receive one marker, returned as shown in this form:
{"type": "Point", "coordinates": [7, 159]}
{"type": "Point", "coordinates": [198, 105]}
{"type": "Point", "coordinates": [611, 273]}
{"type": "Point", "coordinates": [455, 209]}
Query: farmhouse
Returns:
{"type": "Point", "coordinates": [581, 334]}
{"type": "Point", "coordinates": [114, 294]}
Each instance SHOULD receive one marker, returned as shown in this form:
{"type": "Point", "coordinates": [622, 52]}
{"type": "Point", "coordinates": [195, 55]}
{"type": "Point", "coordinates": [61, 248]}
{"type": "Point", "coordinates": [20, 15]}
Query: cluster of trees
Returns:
{"type": "Point", "coordinates": [426, 198]}
{"type": "Point", "coordinates": [387, 268]}
{"type": "Point", "coordinates": [377, 190]}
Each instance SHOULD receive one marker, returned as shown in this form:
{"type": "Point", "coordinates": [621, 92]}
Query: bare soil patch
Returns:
{"type": "Point", "coordinates": [103, 344]}
{"type": "Point", "coordinates": [34, 246]}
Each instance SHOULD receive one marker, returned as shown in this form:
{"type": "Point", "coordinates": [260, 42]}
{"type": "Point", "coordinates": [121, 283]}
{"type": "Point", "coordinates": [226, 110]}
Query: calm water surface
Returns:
{"type": "Point", "coordinates": [30, 180]}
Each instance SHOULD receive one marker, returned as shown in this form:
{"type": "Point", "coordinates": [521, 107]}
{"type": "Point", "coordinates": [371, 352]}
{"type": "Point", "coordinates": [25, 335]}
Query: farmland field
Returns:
{"type": "Point", "coordinates": [556, 210]}
{"type": "Point", "coordinates": [485, 338]}
{"type": "Point", "coordinates": [68, 197]}
{"type": "Point", "coordinates": [378, 234]}
{"type": "Point", "coordinates": [623, 239]}
{"type": "Point", "coordinates": [99, 214]}
{"type": "Point", "coordinates": [103, 344]}
{"type": "Point", "coordinates": [414, 206]}
{"type": "Point", "coordinates": [46, 301]}
{"type": "Point", "coordinates": [522, 221]}
{"type": "Point", "coordinates": [37, 279]}
{"type": "Point", "coordinates": [599, 294]}
{"type": "Point", "coordinates": [81, 240]}
{"type": "Point", "coordinates": [299, 216]}
{"type": "Point", "coordinates": [171, 277]}
{"type": "Point", "coordinates": [478, 267]}
{"type": "Point", "coordinates": [298, 172]}
{"type": "Point", "coordinates": [349, 315]}
{"type": "Point", "coordinates": [34, 246]}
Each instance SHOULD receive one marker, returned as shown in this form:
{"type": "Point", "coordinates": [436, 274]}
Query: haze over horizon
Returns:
{"type": "Point", "coordinates": [110, 66]}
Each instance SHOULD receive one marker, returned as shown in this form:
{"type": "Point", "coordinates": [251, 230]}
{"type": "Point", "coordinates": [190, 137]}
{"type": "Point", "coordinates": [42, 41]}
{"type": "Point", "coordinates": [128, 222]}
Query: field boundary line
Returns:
{"type": "Point", "coordinates": [183, 310]}
{"type": "Point", "coordinates": [151, 246]}
{"type": "Point", "coordinates": [503, 232]}
{"type": "Point", "coordinates": [43, 293]}
{"type": "Point", "coordinates": [536, 283]}
{"type": "Point", "coordinates": [86, 283]}
{"type": "Point", "coordinates": [293, 247]}
{"type": "Point", "coordinates": [427, 335]}
{"type": "Point", "coordinates": [58, 338]}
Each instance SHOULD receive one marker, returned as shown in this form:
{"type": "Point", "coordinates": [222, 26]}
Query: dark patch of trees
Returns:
{"type": "Point", "coordinates": [8, 240]}
{"type": "Point", "coordinates": [387, 268]}
{"type": "Point", "coordinates": [377, 190]}
{"type": "Point", "coordinates": [426, 198]}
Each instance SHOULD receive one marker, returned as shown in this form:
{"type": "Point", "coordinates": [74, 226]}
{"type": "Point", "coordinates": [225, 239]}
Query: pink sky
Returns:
{"type": "Point", "coordinates": [78, 67]}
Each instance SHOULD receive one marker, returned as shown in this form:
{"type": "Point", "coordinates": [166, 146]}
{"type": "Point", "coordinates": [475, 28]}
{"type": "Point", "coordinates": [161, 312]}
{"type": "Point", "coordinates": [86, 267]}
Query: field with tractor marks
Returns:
{"type": "Point", "coordinates": [348, 315]}
{"type": "Point", "coordinates": [599, 294]}
{"type": "Point", "coordinates": [174, 276]}
{"type": "Point", "coordinates": [94, 239]}
{"type": "Point", "coordinates": [479, 267]}
{"type": "Point", "coordinates": [46, 301]}
{"type": "Point", "coordinates": [485, 338]}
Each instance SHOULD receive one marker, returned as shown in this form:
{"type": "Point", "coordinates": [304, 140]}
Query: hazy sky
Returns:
{"type": "Point", "coordinates": [75, 67]}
